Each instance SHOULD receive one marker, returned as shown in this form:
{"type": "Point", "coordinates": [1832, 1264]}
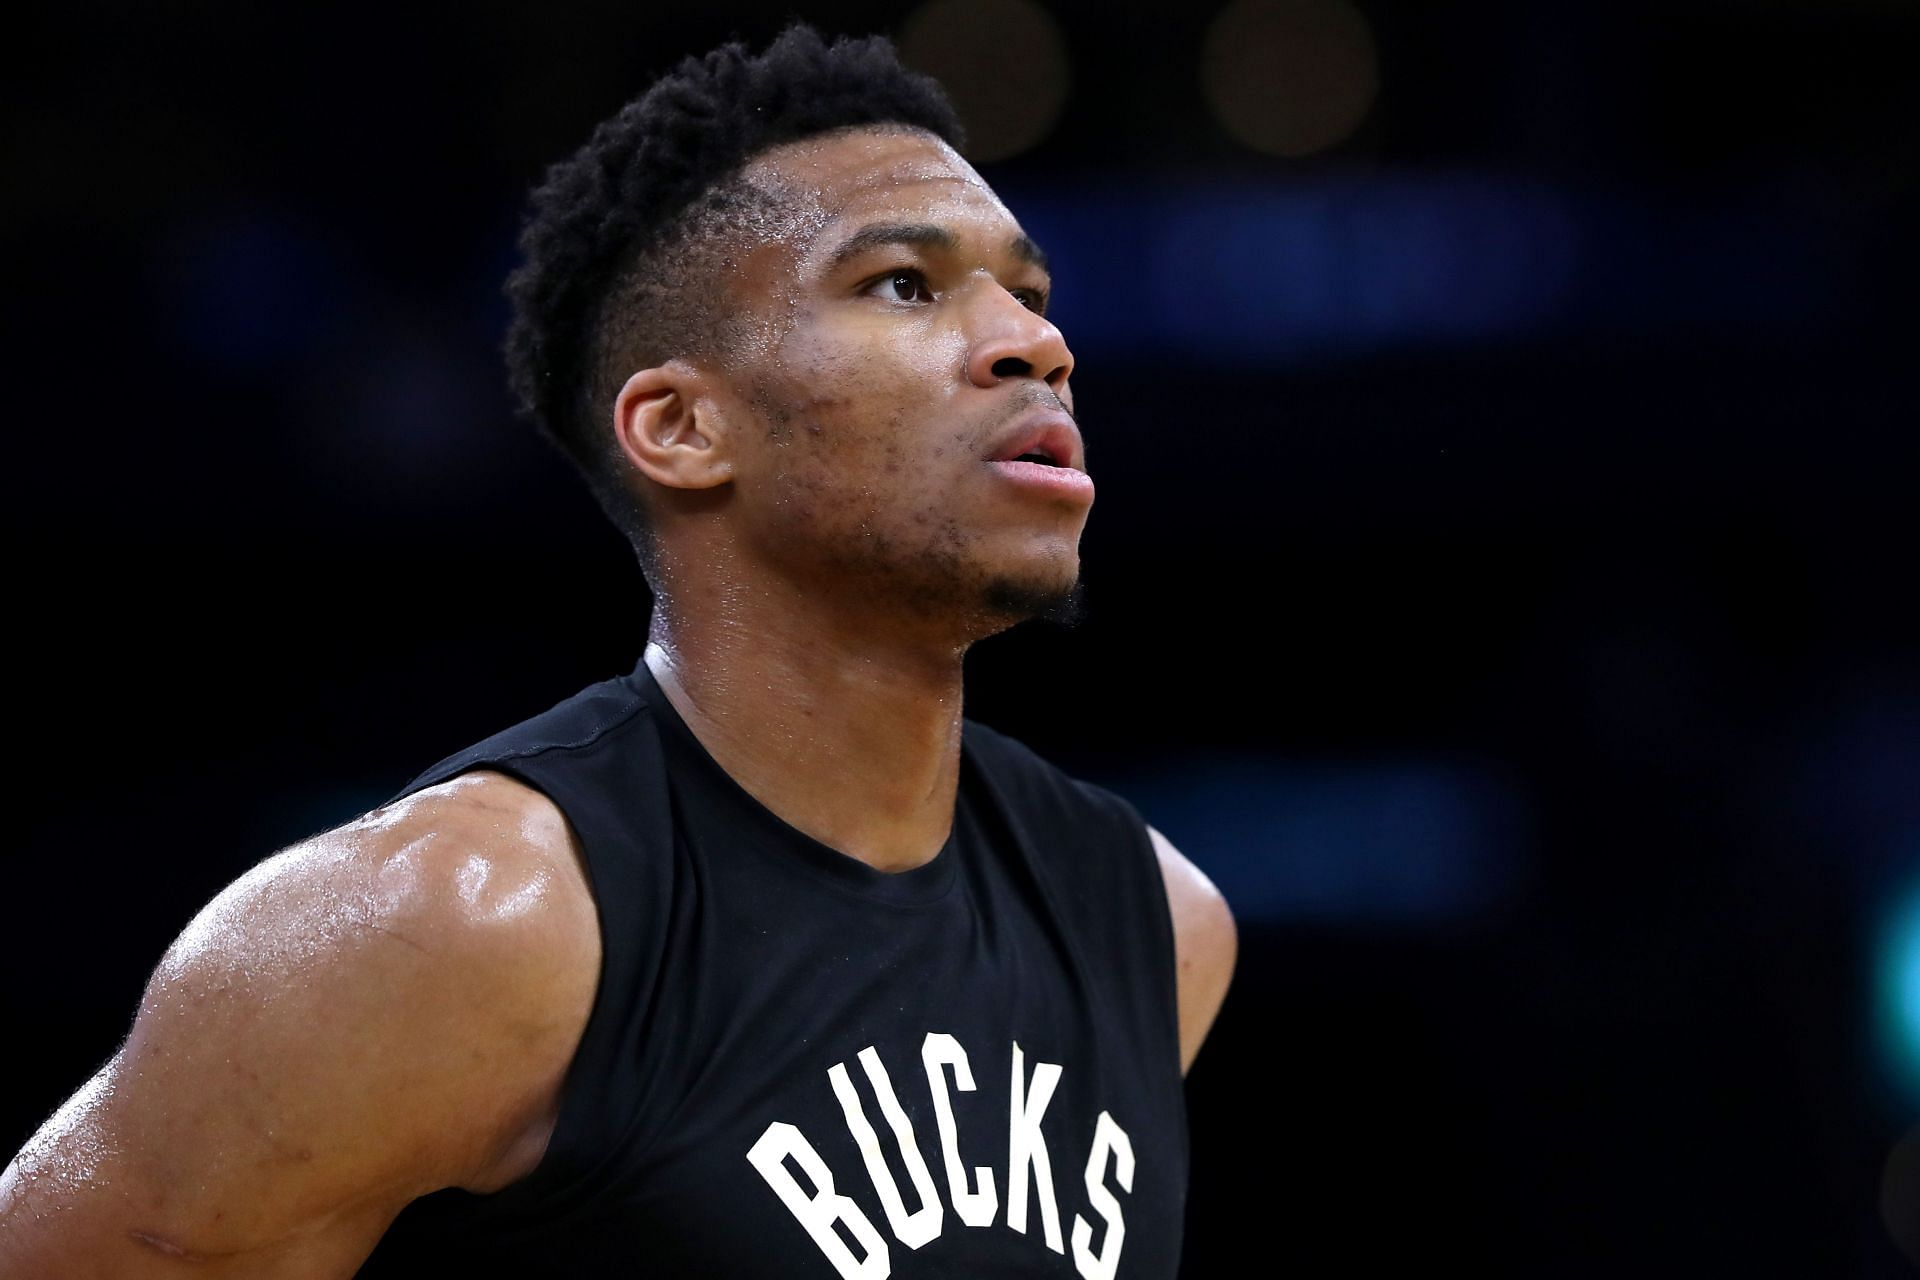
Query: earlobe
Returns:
{"type": "Point", "coordinates": [670, 429]}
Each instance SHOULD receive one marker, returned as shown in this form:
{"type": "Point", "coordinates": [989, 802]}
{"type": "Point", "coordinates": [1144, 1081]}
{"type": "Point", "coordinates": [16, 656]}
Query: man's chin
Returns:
{"type": "Point", "coordinates": [1061, 604]}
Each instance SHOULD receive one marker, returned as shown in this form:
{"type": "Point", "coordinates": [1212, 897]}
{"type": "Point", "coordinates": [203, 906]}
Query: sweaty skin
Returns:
{"type": "Point", "coordinates": [378, 1012]}
{"type": "Point", "coordinates": [390, 1008]}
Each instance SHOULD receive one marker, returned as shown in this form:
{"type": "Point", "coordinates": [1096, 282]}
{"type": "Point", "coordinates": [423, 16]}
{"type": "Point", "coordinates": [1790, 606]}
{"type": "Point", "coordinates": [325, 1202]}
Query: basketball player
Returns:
{"type": "Point", "coordinates": [759, 961]}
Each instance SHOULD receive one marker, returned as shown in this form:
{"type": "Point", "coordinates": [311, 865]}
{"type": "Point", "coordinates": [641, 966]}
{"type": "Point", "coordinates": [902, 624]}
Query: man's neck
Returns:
{"type": "Point", "coordinates": [855, 743]}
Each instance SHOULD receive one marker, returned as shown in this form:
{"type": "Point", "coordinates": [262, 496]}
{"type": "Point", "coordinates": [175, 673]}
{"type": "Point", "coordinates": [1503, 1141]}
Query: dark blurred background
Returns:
{"type": "Point", "coordinates": [1505, 424]}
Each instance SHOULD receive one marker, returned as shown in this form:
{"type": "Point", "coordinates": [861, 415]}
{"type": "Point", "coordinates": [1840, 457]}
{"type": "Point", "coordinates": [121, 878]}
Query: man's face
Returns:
{"type": "Point", "coordinates": [894, 361]}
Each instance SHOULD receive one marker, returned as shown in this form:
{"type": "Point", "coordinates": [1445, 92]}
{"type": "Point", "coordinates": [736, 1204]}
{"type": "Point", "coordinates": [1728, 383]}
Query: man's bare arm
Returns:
{"type": "Point", "coordinates": [1205, 944]}
{"type": "Point", "coordinates": [377, 1013]}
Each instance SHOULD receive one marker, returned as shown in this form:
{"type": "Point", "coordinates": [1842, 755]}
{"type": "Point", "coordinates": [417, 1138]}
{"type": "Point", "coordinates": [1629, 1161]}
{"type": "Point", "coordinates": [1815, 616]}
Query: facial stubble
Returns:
{"type": "Point", "coordinates": [1020, 601]}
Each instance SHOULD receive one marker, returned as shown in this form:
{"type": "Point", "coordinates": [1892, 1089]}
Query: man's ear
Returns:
{"type": "Point", "coordinates": [670, 428]}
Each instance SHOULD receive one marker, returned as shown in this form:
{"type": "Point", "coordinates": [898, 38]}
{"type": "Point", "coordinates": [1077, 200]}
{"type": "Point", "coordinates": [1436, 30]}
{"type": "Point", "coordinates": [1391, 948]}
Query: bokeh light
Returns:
{"type": "Point", "coordinates": [1004, 64]}
{"type": "Point", "coordinates": [1290, 77]}
{"type": "Point", "coordinates": [1899, 980]}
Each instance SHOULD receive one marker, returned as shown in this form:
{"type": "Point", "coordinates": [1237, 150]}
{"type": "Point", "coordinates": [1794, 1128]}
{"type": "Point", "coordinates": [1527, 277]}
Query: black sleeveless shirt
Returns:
{"type": "Point", "coordinates": [797, 1066]}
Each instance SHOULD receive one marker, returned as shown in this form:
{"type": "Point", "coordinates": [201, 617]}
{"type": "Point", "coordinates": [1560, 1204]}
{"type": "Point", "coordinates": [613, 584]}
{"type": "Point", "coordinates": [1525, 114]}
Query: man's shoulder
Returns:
{"type": "Point", "coordinates": [471, 888]}
{"type": "Point", "coordinates": [477, 848]}
{"type": "Point", "coordinates": [375, 1013]}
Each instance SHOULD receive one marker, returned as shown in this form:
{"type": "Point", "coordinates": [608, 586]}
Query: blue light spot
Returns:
{"type": "Point", "coordinates": [1899, 980]}
{"type": "Point", "coordinates": [1396, 843]}
{"type": "Point", "coordinates": [1280, 273]}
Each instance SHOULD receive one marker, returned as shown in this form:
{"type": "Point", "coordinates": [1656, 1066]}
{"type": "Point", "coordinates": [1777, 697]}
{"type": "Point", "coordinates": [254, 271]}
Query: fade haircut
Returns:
{"type": "Point", "coordinates": [625, 240]}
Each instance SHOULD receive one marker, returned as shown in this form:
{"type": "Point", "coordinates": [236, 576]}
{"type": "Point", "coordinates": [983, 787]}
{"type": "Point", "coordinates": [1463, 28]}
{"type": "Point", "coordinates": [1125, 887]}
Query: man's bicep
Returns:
{"type": "Point", "coordinates": [359, 1021]}
{"type": "Point", "coordinates": [239, 1120]}
{"type": "Point", "coordinates": [180, 1151]}
{"type": "Point", "coordinates": [83, 1199]}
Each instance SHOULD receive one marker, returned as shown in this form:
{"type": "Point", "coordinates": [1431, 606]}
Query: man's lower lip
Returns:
{"type": "Point", "coordinates": [1064, 481]}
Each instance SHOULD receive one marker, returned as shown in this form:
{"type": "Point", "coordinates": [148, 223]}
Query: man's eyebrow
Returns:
{"type": "Point", "coordinates": [1028, 250]}
{"type": "Point", "coordinates": [922, 235]}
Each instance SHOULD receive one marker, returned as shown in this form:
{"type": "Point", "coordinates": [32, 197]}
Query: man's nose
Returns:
{"type": "Point", "coordinates": [1013, 341]}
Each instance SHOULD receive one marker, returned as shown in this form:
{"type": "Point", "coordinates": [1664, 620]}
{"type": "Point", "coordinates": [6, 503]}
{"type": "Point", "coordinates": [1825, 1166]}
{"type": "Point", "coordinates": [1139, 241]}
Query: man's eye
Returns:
{"type": "Point", "coordinates": [1034, 300]}
{"type": "Point", "coordinates": [905, 285]}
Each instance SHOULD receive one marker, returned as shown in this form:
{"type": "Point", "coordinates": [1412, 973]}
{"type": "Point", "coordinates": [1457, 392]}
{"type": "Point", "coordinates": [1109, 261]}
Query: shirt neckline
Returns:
{"type": "Point", "coordinates": [927, 883]}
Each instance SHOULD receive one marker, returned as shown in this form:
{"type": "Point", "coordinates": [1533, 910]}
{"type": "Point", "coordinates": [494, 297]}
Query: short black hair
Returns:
{"type": "Point", "coordinates": [619, 234]}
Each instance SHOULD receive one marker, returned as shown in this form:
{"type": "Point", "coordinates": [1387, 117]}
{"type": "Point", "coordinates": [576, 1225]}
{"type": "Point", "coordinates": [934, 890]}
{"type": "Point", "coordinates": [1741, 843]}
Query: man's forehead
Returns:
{"type": "Point", "coordinates": [857, 173]}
